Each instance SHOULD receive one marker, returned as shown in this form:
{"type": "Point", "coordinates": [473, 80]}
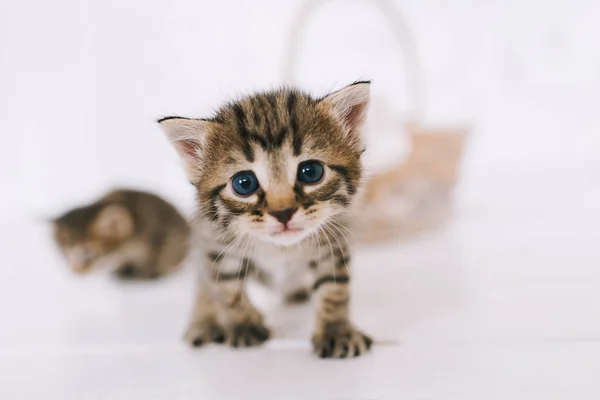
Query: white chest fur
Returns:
{"type": "Point", "coordinates": [287, 267]}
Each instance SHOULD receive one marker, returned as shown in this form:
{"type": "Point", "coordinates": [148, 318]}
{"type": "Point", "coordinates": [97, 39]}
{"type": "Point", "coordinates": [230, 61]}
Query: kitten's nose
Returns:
{"type": "Point", "coordinates": [283, 216]}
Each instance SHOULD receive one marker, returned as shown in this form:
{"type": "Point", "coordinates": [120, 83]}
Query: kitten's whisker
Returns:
{"type": "Point", "coordinates": [250, 241]}
{"type": "Point", "coordinates": [319, 243]}
{"type": "Point", "coordinates": [343, 236]}
{"type": "Point", "coordinates": [242, 259]}
{"type": "Point", "coordinates": [314, 236]}
{"type": "Point", "coordinates": [220, 254]}
{"type": "Point", "coordinates": [241, 264]}
{"type": "Point", "coordinates": [210, 269]}
{"type": "Point", "coordinates": [339, 246]}
{"type": "Point", "coordinates": [331, 251]}
{"type": "Point", "coordinates": [344, 258]}
{"type": "Point", "coordinates": [339, 224]}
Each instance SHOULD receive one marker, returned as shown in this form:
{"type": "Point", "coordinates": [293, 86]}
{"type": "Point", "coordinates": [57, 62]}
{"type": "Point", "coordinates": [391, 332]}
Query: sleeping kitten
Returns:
{"type": "Point", "coordinates": [275, 175]}
{"type": "Point", "coordinates": [141, 233]}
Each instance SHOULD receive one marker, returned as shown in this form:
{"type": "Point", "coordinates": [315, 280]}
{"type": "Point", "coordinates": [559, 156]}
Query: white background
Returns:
{"type": "Point", "coordinates": [502, 304]}
{"type": "Point", "coordinates": [82, 82]}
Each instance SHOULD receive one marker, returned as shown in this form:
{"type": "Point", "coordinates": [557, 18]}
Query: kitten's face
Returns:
{"type": "Point", "coordinates": [280, 197]}
{"type": "Point", "coordinates": [85, 235]}
{"type": "Point", "coordinates": [276, 166]}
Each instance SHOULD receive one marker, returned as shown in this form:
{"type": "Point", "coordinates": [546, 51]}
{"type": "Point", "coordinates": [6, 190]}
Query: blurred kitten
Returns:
{"type": "Point", "coordinates": [140, 233]}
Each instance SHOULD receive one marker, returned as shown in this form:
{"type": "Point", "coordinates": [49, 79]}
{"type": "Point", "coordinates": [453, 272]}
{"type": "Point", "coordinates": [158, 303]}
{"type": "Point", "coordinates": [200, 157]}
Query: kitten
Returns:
{"type": "Point", "coordinates": [141, 233]}
{"type": "Point", "coordinates": [275, 175]}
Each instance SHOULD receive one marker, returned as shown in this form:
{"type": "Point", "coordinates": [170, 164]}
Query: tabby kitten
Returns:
{"type": "Point", "coordinates": [275, 174]}
{"type": "Point", "coordinates": [140, 233]}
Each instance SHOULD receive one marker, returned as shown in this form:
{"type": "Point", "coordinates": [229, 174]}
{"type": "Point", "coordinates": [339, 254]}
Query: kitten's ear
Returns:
{"type": "Point", "coordinates": [350, 104]}
{"type": "Point", "coordinates": [188, 136]}
{"type": "Point", "coordinates": [113, 222]}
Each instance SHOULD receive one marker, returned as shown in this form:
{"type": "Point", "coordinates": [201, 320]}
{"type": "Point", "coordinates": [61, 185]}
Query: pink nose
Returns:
{"type": "Point", "coordinates": [283, 216]}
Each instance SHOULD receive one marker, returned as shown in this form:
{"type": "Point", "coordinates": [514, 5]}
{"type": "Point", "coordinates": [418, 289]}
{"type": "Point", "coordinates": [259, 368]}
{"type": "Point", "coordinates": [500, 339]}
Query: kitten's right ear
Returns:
{"type": "Point", "coordinates": [188, 136]}
{"type": "Point", "coordinates": [349, 105]}
{"type": "Point", "coordinates": [113, 222]}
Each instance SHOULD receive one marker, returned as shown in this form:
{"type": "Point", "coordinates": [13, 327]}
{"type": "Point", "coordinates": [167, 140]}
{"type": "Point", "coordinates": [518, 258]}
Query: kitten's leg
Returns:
{"type": "Point", "coordinates": [203, 327]}
{"type": "Point", "coordinates": [151, 257]}
{"type": "Point", "coordinates": [335, 336]}
{"type": "Point", "coordinates": [225, 279]}
{"type": "Point", "coordinates": [170, 250]}
{"type": "Point", "coordinates": [136, 261]}
{"type": "Point", "coordinates": [131, 271]}
{"type": "Point", "coordinates": [297, 286]}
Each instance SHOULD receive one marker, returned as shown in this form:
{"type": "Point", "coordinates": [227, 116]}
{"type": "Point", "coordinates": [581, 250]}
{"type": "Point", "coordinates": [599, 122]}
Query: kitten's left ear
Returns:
{"type": "Point", "coordinates": [113, 222]}
{"type": "Point", "coordinates": [350, 104]}
{"type": "Point", "coordinates": [188, 136]}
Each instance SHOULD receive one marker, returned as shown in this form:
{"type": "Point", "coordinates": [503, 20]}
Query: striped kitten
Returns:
{"type": "Point", "coordinates": [142, 235]}
{"type": "Point", "coordinates": [275, 175]}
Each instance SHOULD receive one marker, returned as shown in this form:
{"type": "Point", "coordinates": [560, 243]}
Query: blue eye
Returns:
{"type": "Point", "coordinates": [244, 183]}
{"type": "Point", "coordinates": [310, 172]}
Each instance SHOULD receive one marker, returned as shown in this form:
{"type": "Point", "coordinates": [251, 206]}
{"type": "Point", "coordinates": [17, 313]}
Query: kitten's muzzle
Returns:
{"type": "Point", "coordinates": [284, 216]}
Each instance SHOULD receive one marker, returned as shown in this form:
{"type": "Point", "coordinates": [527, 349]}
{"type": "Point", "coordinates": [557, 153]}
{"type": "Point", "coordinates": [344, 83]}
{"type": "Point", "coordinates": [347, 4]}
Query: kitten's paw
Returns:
{"type": "Point", "coordinates": [340, 340]}
{"type": "Point", "coordinates": [247, 334]}
{"type": "Point", "coordinates": [298, 296]}
{"type": "Point", "coordinates": [201, 333]}
{"type": "Point", "coordinates": [130, 272]}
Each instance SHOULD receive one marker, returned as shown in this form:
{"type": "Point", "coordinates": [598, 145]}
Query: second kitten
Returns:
{"type": "Point", "coordinates": [142, 234]}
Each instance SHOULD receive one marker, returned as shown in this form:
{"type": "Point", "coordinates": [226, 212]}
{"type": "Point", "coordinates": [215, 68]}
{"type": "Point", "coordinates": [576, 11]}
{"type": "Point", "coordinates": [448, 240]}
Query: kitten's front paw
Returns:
{"type": "Point", "coordinates": [340, 340]}
{"type": "Point", "coordinates": [130, 272]}
{"type": "Point", "coordinates": [200, 333]}
{"type": "Point", "coordinates": [247, 334]}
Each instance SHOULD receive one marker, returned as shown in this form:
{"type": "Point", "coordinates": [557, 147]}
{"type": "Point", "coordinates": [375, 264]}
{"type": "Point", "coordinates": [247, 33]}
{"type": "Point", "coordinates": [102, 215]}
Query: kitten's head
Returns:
{"type": "Point", "coordinates": [277, 165]}
{"type": "Point", "coordinates": [86, 234]}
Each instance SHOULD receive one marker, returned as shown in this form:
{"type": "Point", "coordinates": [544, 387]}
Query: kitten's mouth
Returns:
{"type": "Point", "coordinates": [287, 231]}
{"type": "Point", "coordinates": [287, 236]}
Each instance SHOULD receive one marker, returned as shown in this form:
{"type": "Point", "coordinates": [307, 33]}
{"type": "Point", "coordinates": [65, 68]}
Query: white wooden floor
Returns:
{"type": "Point", "coordinates": [504, 303]}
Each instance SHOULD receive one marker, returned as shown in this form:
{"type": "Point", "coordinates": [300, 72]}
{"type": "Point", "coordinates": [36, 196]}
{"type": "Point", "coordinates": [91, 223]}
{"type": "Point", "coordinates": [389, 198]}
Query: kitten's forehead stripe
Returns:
{"type": "Point", "coordinates": [256, 112]}
{"type": "Point", "coordinates": [291, 107]}
{"type": "Point", "coordinates": [280, 137]}
{"type": "Point", "coordinates": [241, 120]}
{"type": "Point", "coordinates": [272, 100]}
{"type": "Point", "coordinates": [241, 123]}
{"type": "Point", "coordinates": [276, 119]}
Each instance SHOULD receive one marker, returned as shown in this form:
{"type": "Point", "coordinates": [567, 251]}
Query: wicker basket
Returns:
{"type": "Point", "coordinates": [415, 194]}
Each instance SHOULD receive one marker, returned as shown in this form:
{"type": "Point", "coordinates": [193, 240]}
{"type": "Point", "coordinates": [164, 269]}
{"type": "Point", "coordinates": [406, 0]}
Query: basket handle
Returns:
{"type": "Point", "coordinates": [414, 79]}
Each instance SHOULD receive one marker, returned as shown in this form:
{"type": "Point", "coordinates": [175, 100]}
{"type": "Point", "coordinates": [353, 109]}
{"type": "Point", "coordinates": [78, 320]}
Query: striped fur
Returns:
{"type": "Point", "coordinates": [239, 236]}
{"type": "Point", "coordinates": [143, 235]}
